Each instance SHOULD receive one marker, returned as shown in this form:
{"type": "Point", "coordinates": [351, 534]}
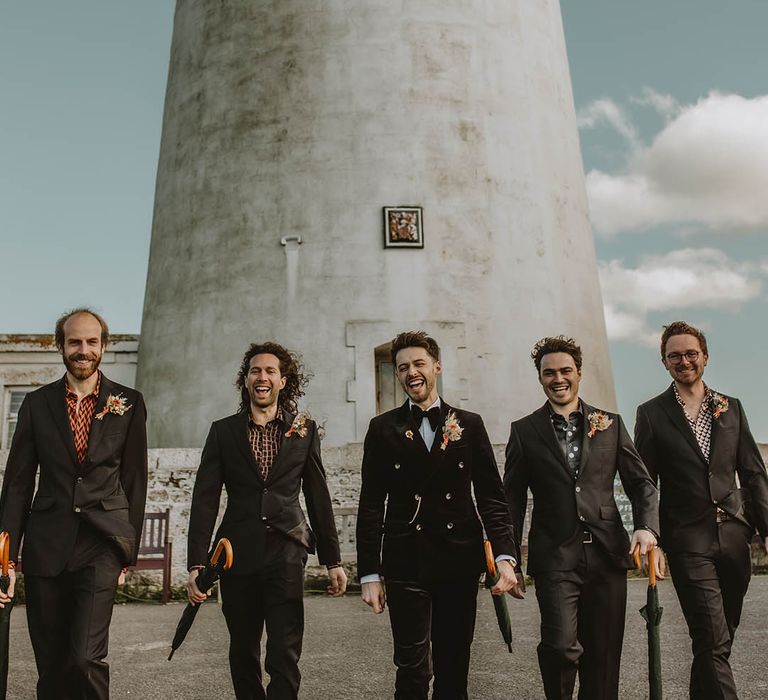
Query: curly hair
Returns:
{"type": "Point", "coordinates": [291, 368]}
{"type": "Point", "coordinates": [682, 328]}
{"type": "Point", "coordinates": [558, 343]}
{"type": "Point", "coordinates": [414, 339]}
{"type": "Point", "coordinates": [58, 333]}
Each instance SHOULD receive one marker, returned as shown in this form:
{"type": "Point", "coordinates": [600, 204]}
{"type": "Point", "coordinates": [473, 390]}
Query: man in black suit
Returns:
{"type": "Point", "coordinates": [714, 493]}
{"type": "Point", "coordinates": [263, 455]}
{"type": "Point", "coordinates": [568, 454]}
{"type": "Point", "coordinates": [420, 463]}
{"type": "Point", "coordinates": [87, 435]}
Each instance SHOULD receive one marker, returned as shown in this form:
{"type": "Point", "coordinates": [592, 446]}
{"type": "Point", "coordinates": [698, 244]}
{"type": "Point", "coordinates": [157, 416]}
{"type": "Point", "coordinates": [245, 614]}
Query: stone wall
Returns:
{"type": "Point", "coordinates": [172, 477]}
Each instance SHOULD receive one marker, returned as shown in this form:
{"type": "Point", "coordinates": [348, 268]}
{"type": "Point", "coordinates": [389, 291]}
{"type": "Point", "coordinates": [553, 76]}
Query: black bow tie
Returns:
{"type": "Point", "coordinates": [432, 415]}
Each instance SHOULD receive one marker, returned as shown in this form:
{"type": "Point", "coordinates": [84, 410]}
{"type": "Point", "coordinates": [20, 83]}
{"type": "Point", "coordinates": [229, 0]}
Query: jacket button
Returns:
{"type": "Point", "coordinates": [450, 526]}
{"type": "Point", "coordinates": [264, 518]}
{"type": "Point", "coordinates": [418, 527]}
{"type": "Point", "coordinates": [77, 509]}
{"type": "Point", "coordinates": [448, 496]}
{"type": "Point", "coordinates": [581, 517]}
{"type": "Point", "coordinates": [578, 489]}
{"type": "Point", "coordinates": [265, 490]}
{"type": "Point", "coordinates": [397, 466]}
{"type": "Point", "coordinates": [711, 475]}
{"type": "Point", "coordinates": [461, 465]}
{"type": "Point", "coordinates": [79, 479]}
{"type": "Point", "coordinates": [416, 497]}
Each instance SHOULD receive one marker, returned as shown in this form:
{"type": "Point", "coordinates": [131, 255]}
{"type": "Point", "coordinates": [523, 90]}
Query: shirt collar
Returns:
{"type": "Point", "coordinates": [554, 415]}
{"type": "Point", "coordinates": [277, 419]}
{"type": "Point", "coordinates": [95, 392]}
{"type": "Point", "coordinates": [704, 404]}
{"type": "Point", "coordinates": [436, 403]}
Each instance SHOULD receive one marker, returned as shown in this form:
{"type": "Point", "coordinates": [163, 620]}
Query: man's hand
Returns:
{"type": "Point", "coordinates": [659, 564]}
{"type": "Point", "coordinates": [338, 581]}
{"type": "Point", "coordinates": [373, 595]}
{"type": "Point", "coordinates": [121, 577]}
{"type": "Point", "coordinates": [507, 580]}
{"type": "Point", "coordinates": [644, 539]}
{"type": "Point", "coordinates": [765, 544]}
{"type": "Point", "coordinates": [195, 595]}
{"type": "Point", "coordinates": [5, 598]}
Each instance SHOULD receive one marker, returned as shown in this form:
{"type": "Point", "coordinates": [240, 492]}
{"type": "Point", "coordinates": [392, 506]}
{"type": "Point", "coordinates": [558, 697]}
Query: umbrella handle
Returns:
{"type": "Point", "coordinates": [227, 547]}
{"type": "Point", "coordinates": [490, 561]}
{"type": "Point", "coordinates": [5, 549]}
{"type": "Point", "coordinates": [636, 556]}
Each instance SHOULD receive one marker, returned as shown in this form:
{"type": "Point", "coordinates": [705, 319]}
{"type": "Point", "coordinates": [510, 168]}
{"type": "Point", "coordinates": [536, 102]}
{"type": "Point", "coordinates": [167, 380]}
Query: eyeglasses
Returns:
{"type": "Point", "coordinates": [676, 358]}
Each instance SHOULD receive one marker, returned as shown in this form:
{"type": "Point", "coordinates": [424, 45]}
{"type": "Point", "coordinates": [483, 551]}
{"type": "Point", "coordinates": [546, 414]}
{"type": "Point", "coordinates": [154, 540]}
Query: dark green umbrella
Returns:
{"type": "Point", "coordinates": [652, 613]}
{"type": "Point", "coordinates": [5, 614]}
{"type": "Point", "coordinates": [499, 601]}
{"type": "Point", "coordinates": [205, 579]}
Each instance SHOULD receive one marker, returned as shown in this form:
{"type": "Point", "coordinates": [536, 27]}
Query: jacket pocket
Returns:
{"type": "Point", "coordinates": [609, 513]}
{"type": "Point", "coordinates": [43, 503]}
{"type": "Point", "coordinates": [114, 502]}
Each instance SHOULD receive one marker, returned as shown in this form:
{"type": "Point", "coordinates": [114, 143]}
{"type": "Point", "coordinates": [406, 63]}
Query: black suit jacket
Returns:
{"type": "Point", "coordinates": [440, 537]}
{"type": "Point", "coordinates": [564, 507]}
{"type": "Point", "coordinates": [254, 504]}
{"type": "Point", "coordinates": [691, 489]}
{"type": "Point", "coordinates": [108, 490]}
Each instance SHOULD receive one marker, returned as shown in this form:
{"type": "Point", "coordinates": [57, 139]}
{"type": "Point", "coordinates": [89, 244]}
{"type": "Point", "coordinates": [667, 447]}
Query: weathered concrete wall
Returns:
{"type": "Point", "coordinates": [305, 118]}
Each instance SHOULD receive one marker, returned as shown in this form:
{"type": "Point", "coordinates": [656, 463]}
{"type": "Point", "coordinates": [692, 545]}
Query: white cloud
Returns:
{"type": "Point", "coordinates": [680, 280]}
{"type": "Point", "coordinates": [666, 105]}
{"type": "Point", "coordinates": [606, 111]}
{"type": "Point", "coordinates": [708, 166]}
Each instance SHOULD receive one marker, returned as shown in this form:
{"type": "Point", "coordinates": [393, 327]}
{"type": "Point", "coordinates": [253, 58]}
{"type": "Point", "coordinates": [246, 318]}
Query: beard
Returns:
{"type": "Point", "coordinates": [82, 372]}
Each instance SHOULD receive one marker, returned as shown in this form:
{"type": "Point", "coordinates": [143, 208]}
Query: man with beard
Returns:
{"type": "Point", "coordinates": [714, 493]}
{"type": "Point", "coordinates": [264, 454]}
{"type": "Point", "coordinates": [87, 435]}
{"type": "Point", "coordinates": [568, 454]}
{"type": "Point", "coordinates": [420, 464]}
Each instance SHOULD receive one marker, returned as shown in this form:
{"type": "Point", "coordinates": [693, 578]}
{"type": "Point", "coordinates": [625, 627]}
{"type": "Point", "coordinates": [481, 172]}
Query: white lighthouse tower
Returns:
{"type": "Point", "coordinates": [334, 172]}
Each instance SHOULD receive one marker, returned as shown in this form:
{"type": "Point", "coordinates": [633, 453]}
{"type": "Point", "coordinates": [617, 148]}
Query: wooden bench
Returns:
{"type": "Point", "coordinates": [156, 549]}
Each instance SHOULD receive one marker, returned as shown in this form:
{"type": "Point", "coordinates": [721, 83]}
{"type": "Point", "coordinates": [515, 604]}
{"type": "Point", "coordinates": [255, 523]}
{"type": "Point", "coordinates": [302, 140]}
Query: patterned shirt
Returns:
{"type": "Point", "coordinates": [265, 442]}
{"type": "Point", "coordinates": [569, 436]}
{"type": "Point", "coordinates": [702, 424]}
{"type": "Point", "coordinates": [81, 418]}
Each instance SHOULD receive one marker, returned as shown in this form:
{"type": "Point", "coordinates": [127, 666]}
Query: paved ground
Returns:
{"type": "Point", "coordinates": [347, 654]}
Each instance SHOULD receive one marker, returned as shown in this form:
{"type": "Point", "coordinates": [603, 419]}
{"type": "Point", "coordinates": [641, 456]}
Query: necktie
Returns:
{"type": "Point", "coordinates": [433, 415]}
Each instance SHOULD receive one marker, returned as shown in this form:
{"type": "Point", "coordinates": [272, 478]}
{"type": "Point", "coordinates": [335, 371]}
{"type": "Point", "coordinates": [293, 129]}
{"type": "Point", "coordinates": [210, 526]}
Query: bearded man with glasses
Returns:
{"type": "Point", "coordinates": [714, 494]}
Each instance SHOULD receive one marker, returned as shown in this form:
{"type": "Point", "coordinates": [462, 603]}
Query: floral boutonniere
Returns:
{"type": "Point", "coordinates": [598, 422]}
{"type": "Point", "coordinates": [299, 426]}
{"type": "Point", "coordinates": [115, 404]}
{"type": "Point", "coordinates": [409, 434]}
{"type": "Point", "coordinates": [451, 430]}
{"type": "Point", "coordinates": [719, 404]}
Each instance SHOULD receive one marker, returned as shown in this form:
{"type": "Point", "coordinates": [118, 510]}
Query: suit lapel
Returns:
{"type": "Point", "coordinates": [586, 441]}
{"type": "Point", "coordinates": [543, 425]}
{"type": "Point", "coordinates": [675, 413]}
{"type": "Point", "coordinates": [725, 420]}
{"type": "Point", "coordinates": [286, 446]}
{"type": "Point", "coordinates": [239, 426]}
{"type": "Point", "coordinates": [436, 453]}
{"type": "Point", "coordinates": [97, 425]}
{"type": "Point", "coordinates": [57, 402]}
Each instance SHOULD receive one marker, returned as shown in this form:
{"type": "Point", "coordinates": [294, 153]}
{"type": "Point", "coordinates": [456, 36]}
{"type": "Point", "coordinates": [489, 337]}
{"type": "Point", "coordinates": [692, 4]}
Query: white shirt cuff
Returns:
{"type": "Point", "coordinates": [505, 557]}
{"type": "Point", "coordinates": [370, 578]}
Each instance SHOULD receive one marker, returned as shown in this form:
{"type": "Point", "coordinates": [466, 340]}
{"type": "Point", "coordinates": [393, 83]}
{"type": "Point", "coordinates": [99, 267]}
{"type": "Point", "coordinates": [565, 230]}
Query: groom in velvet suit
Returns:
{"type": "Point", "coordinates": [264, 455]}
{"type": "Point", "coordinates": [85, 435]}
{"type": "Point", "coordinates": [568, 454]}
{"type": "Point", "coordinates": [714, 495]}
{"type": "Point", "coordinates": [418, 527]}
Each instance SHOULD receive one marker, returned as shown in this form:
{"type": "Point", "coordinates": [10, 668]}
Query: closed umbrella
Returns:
{"type": "Point", "coordinates": [651, 613]}
{"type": "Point", "coordinates": [499, 601]}
{"type": "Point", "coordinates": [5, 614]}
{"type": "Point", "coordinates": [205, 579]}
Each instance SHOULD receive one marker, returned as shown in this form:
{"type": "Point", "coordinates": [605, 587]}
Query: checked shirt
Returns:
{"type": "Point", "coordinates": [81, 418]}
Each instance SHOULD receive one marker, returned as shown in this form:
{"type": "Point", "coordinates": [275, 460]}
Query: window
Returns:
{"type": "Point", "coordinates": [13, 398]}
{"type": "Point", "coordinates": [389, 393]}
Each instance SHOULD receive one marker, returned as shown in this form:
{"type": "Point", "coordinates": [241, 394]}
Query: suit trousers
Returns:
{"type": "Point", "coordinates": [440, 615]}
{"type": "Point", "coordinates": [272, 597]}
{"type": "Point", "coordinates": [582, 627]}
{"type": "Point", "coordinates": [68, 617]}
{"type": "Point", "coordinates": [711, 589]}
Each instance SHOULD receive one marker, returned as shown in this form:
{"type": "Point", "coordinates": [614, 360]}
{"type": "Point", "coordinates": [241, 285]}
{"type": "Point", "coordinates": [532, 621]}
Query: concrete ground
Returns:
{"type": "Point", "coordinates": [347, 652]}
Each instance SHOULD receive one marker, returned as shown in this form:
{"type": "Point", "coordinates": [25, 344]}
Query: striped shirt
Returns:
{"type": "Point", "coordinates": [81, 418]}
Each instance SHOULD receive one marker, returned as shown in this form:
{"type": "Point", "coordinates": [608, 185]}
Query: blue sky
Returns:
{"type": "Point", "coordinates": [672, 113]}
